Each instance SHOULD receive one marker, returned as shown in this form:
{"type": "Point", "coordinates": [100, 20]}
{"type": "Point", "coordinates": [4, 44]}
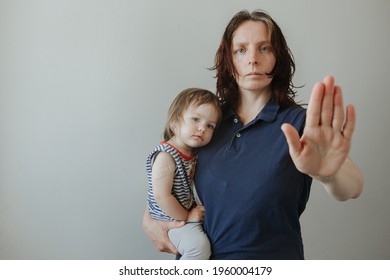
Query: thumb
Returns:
{"type": "Point", "coordinates": [176, 224]}
{"type": "Point", "coordinates": [293, 139]}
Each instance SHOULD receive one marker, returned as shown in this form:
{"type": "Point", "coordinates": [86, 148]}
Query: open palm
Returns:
{"type": "Point", "coordinates": [326, 139]}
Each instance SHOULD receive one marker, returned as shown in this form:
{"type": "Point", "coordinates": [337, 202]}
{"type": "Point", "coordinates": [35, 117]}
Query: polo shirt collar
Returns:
{"type": "Point", "coordinates": [267, 114]}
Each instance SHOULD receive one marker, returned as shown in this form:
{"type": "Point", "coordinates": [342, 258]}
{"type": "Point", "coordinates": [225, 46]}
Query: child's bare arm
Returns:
{"type": "Point", "coordinates": [163, 172]}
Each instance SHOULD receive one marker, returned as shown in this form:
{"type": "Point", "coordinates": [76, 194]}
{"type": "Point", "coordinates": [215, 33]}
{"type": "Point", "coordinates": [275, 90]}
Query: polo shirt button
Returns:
{"type": "Point", "coordinates": [235, 120]}
{"type": "Point", "coordinates": [238, 135]}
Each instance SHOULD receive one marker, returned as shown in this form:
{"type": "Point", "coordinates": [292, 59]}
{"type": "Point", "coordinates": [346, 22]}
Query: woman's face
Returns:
{"type": "Point", "coordinates": [253, 57]}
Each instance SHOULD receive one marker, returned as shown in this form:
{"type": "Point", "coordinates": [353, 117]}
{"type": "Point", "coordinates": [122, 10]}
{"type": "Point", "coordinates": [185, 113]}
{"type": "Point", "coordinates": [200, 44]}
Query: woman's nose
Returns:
{"type": "Point", "coordinates": [253, 57]}
{"type": "Point", "coordinates": [253, 60]}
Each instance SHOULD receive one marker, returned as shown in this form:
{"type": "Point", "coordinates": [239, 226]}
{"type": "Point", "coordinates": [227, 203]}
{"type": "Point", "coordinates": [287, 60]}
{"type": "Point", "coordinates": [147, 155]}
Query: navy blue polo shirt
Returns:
{"type": "Point", "coordinates": [252, 192]}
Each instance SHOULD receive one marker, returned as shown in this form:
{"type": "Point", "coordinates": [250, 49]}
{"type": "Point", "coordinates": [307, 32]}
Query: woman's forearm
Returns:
{"type": "Point", "coordinates": [347, 183]}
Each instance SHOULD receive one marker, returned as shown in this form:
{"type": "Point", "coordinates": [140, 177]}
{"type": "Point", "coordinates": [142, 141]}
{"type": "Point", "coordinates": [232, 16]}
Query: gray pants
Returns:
{"type": "Point", "coordinates": [191, 242]}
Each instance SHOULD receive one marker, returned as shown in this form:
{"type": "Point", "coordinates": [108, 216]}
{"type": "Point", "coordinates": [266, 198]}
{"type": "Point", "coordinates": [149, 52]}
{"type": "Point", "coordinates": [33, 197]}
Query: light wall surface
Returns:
{"type": "Point", "coordinates": [84, 90]}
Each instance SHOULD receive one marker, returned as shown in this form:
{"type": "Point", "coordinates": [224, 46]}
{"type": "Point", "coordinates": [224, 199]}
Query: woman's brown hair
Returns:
{"type": "Point", "coordinates": [282, 86]}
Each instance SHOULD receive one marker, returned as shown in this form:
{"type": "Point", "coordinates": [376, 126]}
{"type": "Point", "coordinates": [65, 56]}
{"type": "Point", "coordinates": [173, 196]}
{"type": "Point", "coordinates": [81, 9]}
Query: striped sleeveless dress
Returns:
{"type": "Point", "coordinates": [182, 182]}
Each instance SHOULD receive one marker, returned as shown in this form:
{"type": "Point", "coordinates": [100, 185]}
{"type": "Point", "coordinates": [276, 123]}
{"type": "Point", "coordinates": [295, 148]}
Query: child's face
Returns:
{"type": "Point", "coordinates": [197, 125]}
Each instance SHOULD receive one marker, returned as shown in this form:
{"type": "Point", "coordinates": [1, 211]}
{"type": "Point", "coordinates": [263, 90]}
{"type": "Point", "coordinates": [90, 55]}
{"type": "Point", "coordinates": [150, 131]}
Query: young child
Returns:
{"type": "Point", "coordinates": [192, 118]}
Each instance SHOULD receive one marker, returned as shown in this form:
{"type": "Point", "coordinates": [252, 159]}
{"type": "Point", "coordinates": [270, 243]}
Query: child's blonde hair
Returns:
{"type": "Point", "coordinates": [186, 98]}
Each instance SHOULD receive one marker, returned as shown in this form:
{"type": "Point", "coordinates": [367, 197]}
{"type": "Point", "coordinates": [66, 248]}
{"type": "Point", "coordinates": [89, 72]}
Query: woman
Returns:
{"type": "Point", "coordinates": [253, 183]}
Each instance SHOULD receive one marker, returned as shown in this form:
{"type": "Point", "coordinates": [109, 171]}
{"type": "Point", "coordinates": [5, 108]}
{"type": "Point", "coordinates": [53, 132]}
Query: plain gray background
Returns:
{"type": "Point", "coordinates": [84, 90]}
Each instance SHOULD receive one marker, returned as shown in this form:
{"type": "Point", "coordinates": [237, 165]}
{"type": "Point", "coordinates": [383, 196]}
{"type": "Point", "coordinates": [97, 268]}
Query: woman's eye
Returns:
{"type": "Point", "coordinates": [241, 50]}
{"type": "Point", "coordinates": [265, 49]}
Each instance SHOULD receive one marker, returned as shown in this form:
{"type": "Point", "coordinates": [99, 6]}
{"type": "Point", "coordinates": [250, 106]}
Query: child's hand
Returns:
{"type": "Point", "coordinates": [196, 214]}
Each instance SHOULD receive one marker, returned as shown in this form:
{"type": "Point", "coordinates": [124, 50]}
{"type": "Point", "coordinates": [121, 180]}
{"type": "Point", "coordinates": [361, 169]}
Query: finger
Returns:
{"type": "Point", "coordinates": [327, 102]}
{"type": "Point", "coordinates": [175, 224]}
{"type": "Point", "coordinates": [164, 244]}
{"type": "Point", "coordinates": [171, 248]}
{"type": "Point", "coordinates": [293, 139]}
{"type": "Point", "coordinates": [313, 114]}
{"type": "Point", "coordinates": [350, 122]}
{"type": "Point", "coordinates": [338, 112]}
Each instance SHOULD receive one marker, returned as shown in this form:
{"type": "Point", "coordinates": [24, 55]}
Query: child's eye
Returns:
{"type": "Point", "coordinates": [211, 126]}
{"type": "Point", "coordinates": [195, 119]}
